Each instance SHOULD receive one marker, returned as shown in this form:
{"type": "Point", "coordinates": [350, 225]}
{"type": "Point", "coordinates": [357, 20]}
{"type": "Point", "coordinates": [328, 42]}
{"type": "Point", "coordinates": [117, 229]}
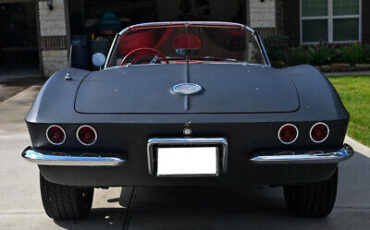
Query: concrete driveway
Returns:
{"type": "Point", "coordinates": [12, 86]}
{"type": "Point", "coordinates": [166, 208]}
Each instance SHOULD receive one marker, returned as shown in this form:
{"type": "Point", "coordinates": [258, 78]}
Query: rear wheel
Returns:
{"type": "Point", "coordinates": [65, 202]}
{"type": "Point", "coordinates": [312, 200]}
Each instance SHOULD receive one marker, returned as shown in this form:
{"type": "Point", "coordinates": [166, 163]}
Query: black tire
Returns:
{"type": "Point", "coordinates": [312, 200]}
{"type": "Point", "coordinates": [65, 202]}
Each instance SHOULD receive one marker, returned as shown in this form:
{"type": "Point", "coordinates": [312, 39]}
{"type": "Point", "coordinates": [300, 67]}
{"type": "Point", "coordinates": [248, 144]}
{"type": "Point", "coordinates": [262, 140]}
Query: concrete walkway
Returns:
{"type": "Point", "coordinates": [20, 203]}
{"type": "Point", "coordinates": [13, 74]}
{"type": "Point", "coordinates": [11, 87]}
{"type": "Point", "coordinates": [356, 73]}
{"type": "Point", "coordinates": [357, 146]}
{"type": "Point", "coordinates": [195, 208]}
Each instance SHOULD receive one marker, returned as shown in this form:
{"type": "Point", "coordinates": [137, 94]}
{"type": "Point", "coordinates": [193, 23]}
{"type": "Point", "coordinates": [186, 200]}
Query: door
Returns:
{"type": "Point", "coordinates": [18, 37]}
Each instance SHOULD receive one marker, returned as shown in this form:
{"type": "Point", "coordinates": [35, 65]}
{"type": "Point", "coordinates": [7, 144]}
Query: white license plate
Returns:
{"type": "Point", "coordinates": [187, 161]}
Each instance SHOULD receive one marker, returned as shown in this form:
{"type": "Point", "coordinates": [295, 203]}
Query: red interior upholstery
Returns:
{"type": "Point", "coordinates": [187, 41]}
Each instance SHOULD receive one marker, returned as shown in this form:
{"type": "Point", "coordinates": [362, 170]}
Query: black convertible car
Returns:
{"type": "Point", "coordinates": [187, 104]}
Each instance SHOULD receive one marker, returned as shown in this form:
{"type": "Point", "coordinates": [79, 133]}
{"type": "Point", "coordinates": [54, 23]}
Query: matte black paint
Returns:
{"type": "Point", "coordinates": [318, 102]}
{"type": "Point", "coordinates": [249, 130]}
{"type": "Point", "coordinates": [147, 89]}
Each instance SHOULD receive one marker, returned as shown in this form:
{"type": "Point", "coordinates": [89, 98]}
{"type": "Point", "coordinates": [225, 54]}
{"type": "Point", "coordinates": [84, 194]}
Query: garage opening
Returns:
{"type": "Point", "coordinates": [18, 40]}
{"type": "Point", "coordinates": [94, 23]}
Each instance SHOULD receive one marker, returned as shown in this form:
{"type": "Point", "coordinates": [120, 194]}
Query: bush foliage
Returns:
{"type": "Point", "coordinates": [281, 54]}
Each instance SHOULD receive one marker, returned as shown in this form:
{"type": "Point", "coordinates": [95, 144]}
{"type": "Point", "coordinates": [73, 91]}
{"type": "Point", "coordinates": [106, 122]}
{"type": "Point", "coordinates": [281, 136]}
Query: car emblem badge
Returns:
{"type": "Point", "coordinates": [187, 88]}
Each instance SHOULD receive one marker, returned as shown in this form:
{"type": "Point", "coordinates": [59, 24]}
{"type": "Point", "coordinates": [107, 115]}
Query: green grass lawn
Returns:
{"type": "Point", "coordinates": [355, 94]}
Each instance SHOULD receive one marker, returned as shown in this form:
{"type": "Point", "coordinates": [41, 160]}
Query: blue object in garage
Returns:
{"type": "Point", "coordinates": [109, 21]}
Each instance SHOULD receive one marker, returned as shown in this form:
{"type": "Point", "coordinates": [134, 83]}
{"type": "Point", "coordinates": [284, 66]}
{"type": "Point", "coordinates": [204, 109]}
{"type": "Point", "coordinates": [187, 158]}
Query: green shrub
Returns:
{"type": "Point", "coordinates": [354, 54]}
{"type": "Point", "coordinates": [338, 55]}
{"type": "Point", "coordinates": [323, 54]}
{"type": "Point", "coordinates": [300, 55]}
{"type": "Point", "coordinates": [276, 48]}
{"type": "Point", "coordinates": [367, 54]}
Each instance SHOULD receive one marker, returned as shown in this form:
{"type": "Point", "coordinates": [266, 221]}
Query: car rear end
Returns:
{"type": "Point", "coordinates": [247, 153]}
{"type": "Point", "coordinates": [270, 129]}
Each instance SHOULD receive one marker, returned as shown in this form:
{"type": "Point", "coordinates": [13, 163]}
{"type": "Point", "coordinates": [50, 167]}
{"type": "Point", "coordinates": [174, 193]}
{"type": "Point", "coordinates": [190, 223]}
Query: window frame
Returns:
{"type": "Point", "coordinates": [330, 19]}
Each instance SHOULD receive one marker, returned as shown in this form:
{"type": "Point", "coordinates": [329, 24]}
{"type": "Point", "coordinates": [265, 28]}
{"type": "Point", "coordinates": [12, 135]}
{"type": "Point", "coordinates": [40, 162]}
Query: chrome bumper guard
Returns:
{"type": "Point", "coordinates": [64, 159]}
{"type": "Point", "coordinates": [307, 158]}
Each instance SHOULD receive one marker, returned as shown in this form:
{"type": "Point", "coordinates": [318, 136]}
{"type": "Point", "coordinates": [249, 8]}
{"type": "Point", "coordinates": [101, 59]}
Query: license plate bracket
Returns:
{"type": "Point", "coordinates": [187, 161]}
{"type": "Point", "coordinates": [211, 150]}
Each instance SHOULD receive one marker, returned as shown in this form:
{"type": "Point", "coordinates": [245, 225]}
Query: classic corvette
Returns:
{"type": "Point", "coordinates": [187, 104]}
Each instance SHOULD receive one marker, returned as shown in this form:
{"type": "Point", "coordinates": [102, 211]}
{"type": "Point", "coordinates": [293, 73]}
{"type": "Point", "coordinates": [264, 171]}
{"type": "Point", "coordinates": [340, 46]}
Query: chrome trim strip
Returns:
{"type": "Point", "coordinates": [110, 51]}
{"type": "Point", "coordinates": [209, 23]}
{"type": "Point", "coordinates": [327, 135]}
{"type": "Point", "coordinates": [317, 158]}
{"type": "Point", "coordinates": [57, 160]}
{"type": "Point", "coordinates": [87, 126]}
{"type": "Point", "coordinates": [152, 142]}
{"type": "Point", "coordinates": [52, 142]}
{"type": "Point", "coordinates": [262, 47]}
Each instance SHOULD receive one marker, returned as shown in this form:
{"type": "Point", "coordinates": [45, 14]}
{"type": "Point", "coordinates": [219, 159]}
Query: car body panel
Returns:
{"type": "Point", "coordinates": [318, 102]}
{"type": "Point", "coordinates": [148, 89]}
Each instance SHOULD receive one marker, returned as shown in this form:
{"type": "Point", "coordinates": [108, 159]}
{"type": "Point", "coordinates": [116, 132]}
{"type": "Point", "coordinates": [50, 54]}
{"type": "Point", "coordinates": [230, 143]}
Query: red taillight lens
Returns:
{"type": "Point", "coordinates": [319, 132]}
{"type": "Point", "coordinates": [86, 135]}
{"type": "Point", "coordinates": [56, 135]}
{"type": "Point", "coordinates": [288, 133]}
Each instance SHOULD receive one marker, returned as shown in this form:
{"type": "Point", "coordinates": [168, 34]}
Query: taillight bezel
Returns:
{"type": "Point", "coordinates": [327, 134]}
{"type": "Point", "coordinates": [86, 126]}
{"type": "Point", "coordinates": [296, 137]}
{"type": "Point", "coordinates": [52, 142]}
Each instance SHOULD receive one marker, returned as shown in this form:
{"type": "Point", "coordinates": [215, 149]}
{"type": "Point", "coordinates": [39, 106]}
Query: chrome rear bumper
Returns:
{"type": "Point", "coordinates": [307, 158]}
{"type": "Point", "coordinates": [51, 158]}
{"type": "Point", "coordinates": [64, 159]}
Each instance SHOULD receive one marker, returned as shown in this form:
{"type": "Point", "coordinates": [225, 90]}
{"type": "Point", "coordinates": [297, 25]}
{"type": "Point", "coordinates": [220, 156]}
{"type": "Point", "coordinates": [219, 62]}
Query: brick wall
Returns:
{"type": "Point", "coordinates": [262, 14]}
{"type": "Point", "coordinates": [54, 60]}
{"type": "Point", "coordinates": [52, 36]}
{"type": "Point", "coordinates": [262, 17]}
{"type": "Point", "coordinates": [52, 22]}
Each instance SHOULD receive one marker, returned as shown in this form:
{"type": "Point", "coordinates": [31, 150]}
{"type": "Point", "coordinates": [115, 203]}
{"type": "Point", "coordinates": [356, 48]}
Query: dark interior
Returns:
{"type": "Point", "coordinates": [18, 36]}
{"type": "Point", "coordinates": [94, 23]}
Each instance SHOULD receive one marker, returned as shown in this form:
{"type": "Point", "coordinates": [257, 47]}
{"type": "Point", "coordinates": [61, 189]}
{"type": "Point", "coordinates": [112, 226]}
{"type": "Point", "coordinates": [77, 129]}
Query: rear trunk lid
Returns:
{"type": "Point", "coordinates": [227, 88]}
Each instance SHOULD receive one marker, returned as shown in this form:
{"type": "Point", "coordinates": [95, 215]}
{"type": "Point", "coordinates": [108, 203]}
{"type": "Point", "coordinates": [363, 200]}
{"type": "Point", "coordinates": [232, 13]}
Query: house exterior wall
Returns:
{"type": "Point", "coordinates": [53, 33]}
{"type": "Point", "coordinates": [52, 22]}
{"type": "Point", "coordinates": [268, 17]}
{"type": "Point", "coordinates": [262, 16]}
{"type": "Point", "coordinates": [53, 60]}
{"type": "Point", "coordinates": [288, 20]}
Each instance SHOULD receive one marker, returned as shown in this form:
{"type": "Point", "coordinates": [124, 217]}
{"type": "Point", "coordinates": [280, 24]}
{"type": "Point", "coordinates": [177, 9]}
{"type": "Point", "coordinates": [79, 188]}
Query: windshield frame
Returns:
{"type": "Point", "coordinates": [155, 25]}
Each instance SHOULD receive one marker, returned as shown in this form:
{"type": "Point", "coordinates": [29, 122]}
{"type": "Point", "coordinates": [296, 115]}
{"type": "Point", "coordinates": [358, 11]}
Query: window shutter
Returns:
{"type": "Point", "coordinates": [365, 14]}
{"type": "Point", "coordinates": [291, 21]}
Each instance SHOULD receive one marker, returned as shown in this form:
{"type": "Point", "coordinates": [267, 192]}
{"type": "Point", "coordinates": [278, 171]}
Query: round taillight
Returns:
{"type": "Point", "coordinates": [319, 132]}
{"type": "Point", "coordinates": [86, 135]}
{"type": "Point", "coordinates": [288, 134]}
{"type": "Point", "coordinates": [56, 135]}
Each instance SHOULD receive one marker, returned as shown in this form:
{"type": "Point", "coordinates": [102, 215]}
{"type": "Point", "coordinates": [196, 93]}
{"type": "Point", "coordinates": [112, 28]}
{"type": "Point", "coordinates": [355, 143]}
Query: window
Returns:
{"type": "Point", "coordinates": [334, 21]}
